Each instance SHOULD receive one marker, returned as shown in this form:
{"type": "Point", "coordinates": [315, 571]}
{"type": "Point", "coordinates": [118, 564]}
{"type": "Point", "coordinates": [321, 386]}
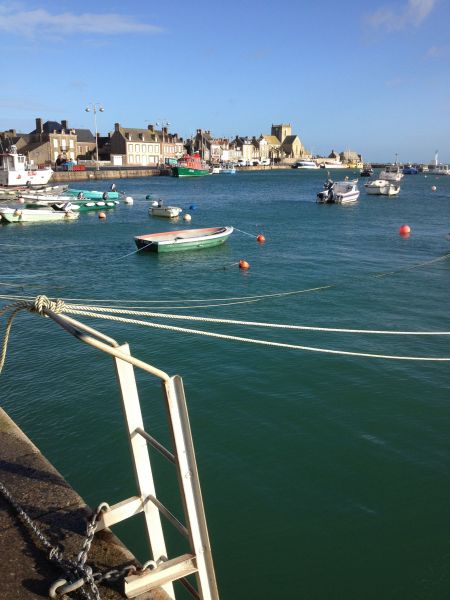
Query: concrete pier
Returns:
{"type": "Point", "coordinates": [59, 512]}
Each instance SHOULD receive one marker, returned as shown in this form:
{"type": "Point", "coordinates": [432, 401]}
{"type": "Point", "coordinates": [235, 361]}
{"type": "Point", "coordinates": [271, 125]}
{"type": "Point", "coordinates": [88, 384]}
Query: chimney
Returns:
{"type": "Point", "coordinates": [39, 126]}
{"type": "Point", "coordinates": [64, 125]}
{"type": "Point", "coordinates": [116, 126]}
{"type": "Point", "coordinates": [151, 128]}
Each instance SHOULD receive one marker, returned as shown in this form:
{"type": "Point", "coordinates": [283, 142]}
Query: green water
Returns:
{"type": "Point", "coordinates": [323, 476]}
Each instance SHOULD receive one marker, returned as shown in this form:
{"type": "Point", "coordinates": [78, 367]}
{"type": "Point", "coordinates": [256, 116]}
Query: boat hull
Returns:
{"type": "Point", "coordinates": [180, 241]}
{"type": "Point", "coordinates": [169, 212]}
{"type": "Point", "coordinates": [11, 215]}
{"type": "Point", "coordinates": [189, 172]}
{"type": "Point", "coordinates": [93, 194]}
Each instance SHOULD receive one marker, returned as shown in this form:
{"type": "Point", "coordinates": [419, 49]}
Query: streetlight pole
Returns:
{"type": "Point", "coordinates": [162, 123]}
{"type": "Point", "coordinates": [95, 107]}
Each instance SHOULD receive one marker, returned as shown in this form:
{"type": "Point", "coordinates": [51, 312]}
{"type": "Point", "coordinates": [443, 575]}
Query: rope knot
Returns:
{"type": "Point", "coordinates": [42, 302]}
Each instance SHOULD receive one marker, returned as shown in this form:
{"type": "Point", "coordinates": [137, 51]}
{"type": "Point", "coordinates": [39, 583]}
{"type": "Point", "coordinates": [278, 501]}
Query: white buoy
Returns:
{"type": "Point", "coordinates": [187, 217]}
{"type": "Point", "coordinates": [433, 188]}
{"type": "Point", "coordinates": [128, 200]}
{"type": "Point", "coordinates": [155, 203]}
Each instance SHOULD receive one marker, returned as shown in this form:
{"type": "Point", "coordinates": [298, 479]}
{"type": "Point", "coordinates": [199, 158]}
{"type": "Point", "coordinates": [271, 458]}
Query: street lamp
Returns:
{"type": "Point", "coordinates": [94, 107]}
{"type": "Point", "coordinates": [163, 123]}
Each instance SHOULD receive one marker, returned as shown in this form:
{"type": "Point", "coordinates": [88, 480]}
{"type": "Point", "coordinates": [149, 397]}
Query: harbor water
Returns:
{"type": "Point", "coordinates": [324, 476]}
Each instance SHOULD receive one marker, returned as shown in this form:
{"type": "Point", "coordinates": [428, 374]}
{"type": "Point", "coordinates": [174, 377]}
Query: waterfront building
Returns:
{"type": "Point", "coordinates": [144, 147]}
{"type": "Point", "coordinates": [51, 139]}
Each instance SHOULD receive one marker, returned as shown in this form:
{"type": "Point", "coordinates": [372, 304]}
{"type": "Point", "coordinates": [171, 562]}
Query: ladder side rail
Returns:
{"type": "Point", "coordinates": [141, 460]}
{"type": "Point", "coordinates": [189, 483]}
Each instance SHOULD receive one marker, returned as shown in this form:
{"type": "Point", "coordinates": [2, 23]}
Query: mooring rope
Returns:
{"type": "Point", "coordinates": [43, 303]}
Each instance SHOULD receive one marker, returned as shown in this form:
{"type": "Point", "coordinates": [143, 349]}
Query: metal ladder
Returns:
{"type": "Point", "coordinates": [199, 560]}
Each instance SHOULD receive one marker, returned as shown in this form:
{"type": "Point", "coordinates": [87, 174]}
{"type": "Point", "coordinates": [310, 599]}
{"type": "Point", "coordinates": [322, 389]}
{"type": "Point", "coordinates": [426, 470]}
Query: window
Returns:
{"type": "Point", "coordinates": [55, 143]}
{"type": "Point", "coordinates": [70, 143]}
{"type": "Point", "coordinates": [63, 143]}
{"type": "Point", "coordinates": [136, 147]}
{"type": "Point", "coordinates": [131, 158]}
{"type": "Point", "coordinates": [138, 158]}
{"type": "Point", "coordinates": [130, 148]}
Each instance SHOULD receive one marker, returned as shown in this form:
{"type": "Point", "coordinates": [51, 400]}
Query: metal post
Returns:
{"type": "Point", "coordinates": [95, 106]}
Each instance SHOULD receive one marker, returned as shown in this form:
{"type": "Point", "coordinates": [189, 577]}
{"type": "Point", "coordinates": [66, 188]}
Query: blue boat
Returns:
{"type": "Point", "coordinates": [92, 194]}
{"type": "Point", "coordinates": [409, 170]}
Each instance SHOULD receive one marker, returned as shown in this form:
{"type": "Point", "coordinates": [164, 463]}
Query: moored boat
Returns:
{"type": "Point", "coordinates": [31, 215]}
{"type": "Point", "coordinates": [16, 170]}
{"type": "Point", "coordinates": [392, 172]}
{"type": "Point", "coordinates": [366, 171]}
{"type": "Point", "coordinates": [92, 194]}
{"type": "Point", "coordinates": [305, 164]}
{"type": "Point", "coordinates": [332, 165]}
{"type": "Point", "coordinates": [410, 170]}
{"type": "Point", "coordinates": [382, 187]}
{"type": "Point", "coordinates": [185, 239]}
{"type": "Point", "coordinates": [339, 192]}
{"type": "Point", "coordinates": [228, 169]}
{"type": "Point", "coordinates": [190, 165]}
{"type": "Point", "coordinates": [158, 209]}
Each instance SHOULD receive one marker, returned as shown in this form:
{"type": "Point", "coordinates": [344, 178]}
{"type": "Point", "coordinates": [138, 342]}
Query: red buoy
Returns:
{"type": "Point", "coordinates": [404, 230]}
{"type": "Point", "coordinates": [243, 264]}
{"type": "Point", "coordinates": [260, 238]}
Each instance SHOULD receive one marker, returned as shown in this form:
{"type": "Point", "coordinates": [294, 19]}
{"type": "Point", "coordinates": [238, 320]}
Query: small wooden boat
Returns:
{"type": "Point", "coordinates": [158, 209]}
{"type": "Point", "coordinates": [31, 215]}
{"type": "Point", "coordinates": [185, 239]}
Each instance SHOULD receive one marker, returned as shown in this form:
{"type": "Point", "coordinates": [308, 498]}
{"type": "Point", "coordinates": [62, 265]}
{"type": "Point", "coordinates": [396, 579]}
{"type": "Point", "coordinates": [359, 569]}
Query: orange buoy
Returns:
{"type": "Point", "coordinates": [260, 238]}
{"type": "Point", "coordinates": [404, 230]}
{"type": "Point", "coordinates": [243, 264]}
{"type": "Point", "coordinates": [102, 215]}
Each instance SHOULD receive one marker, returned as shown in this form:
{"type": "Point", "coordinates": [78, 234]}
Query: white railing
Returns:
{"type": "Point", "coordinates": [198, 560]}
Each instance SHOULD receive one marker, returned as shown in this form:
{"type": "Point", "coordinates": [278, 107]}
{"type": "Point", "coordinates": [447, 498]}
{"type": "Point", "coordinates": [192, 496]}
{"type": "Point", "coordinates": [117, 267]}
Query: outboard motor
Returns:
{"type": "Point", "coordinates": [327, 194]}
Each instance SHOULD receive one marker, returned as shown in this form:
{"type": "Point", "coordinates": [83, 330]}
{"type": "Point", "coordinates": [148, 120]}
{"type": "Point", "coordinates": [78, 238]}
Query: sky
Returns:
{"type": "Point", "coordinates": [369, 76]}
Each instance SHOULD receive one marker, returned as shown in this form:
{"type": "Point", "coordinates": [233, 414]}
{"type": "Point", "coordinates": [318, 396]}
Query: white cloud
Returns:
{"type": "Point", "coordinates": [19, 21]}
{"type": "Point", "coordinates": [411, 15]}
{"type": "Point", "coordinates": [437, 52]}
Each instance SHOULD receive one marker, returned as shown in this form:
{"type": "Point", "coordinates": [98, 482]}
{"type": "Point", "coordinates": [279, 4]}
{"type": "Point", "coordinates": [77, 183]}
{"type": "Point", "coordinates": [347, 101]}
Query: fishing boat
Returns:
{"type": "Point", "coordinates": [92, 194]}
{"type": "Point", "coordinates": [17, 171]}
{"type": "Point", "coordinates": [158, 209]}
{"type": "Point", "coordinates": [185, 239]}
{"type": "Point", "coordinates": [305, 164]}
{"type": "Point", "coordinates": [190, 165]}
{"type": "Point", "coordinates": [31, 215]}
{"type": "Point", "coordinates": [392, 172]}
{"type": "Point", "coordinates": [339, 192]}
{"type": "Point", "coordinates": [382, 187]}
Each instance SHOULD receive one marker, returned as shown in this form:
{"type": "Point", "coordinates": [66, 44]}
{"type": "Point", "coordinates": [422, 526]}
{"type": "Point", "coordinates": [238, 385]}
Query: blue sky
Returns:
{"type": "Point", "coordinates": [368, 76]}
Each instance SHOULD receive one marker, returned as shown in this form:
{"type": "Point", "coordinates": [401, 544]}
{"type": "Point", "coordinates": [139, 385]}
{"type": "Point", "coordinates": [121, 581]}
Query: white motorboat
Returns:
{"type": "Point", "coordinates": [392, 172]}
{"type": "Point", "coordinates": [158, 209]}
{"type": "Point", "coordinates": [215, 170]}
{"type": "Point", "coordinates": [305, 164]}
{"type": "Point", "coordinates": [36, 215]}
{"type": "Point", "coordinates": [339, 192]}
{"type": "Point", "coordinates": [382, 187]}
{"type": "Point", "coordinates": [332, 165]}
{"type": "Point", "coordinates": [17, 170]}
{"type": "Point", "coordinates": [228, 169]}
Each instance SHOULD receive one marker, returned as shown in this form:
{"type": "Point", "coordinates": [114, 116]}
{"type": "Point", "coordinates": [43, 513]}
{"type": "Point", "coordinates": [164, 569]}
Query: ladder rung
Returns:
{"type": "Point", "coordinates": [120, 511]}
{"type": "Point", "coordinates": [169, 570]}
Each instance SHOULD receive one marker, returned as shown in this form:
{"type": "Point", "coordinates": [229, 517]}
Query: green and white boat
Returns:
{"type": "Point", "coordinates": [190, 165]}
{"type": "Point", "coordinates": [25, 215]}
{"type": "Point", "coordinates": [92, 194]}
{"type": "Point", "coordinates": [185, 239]}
